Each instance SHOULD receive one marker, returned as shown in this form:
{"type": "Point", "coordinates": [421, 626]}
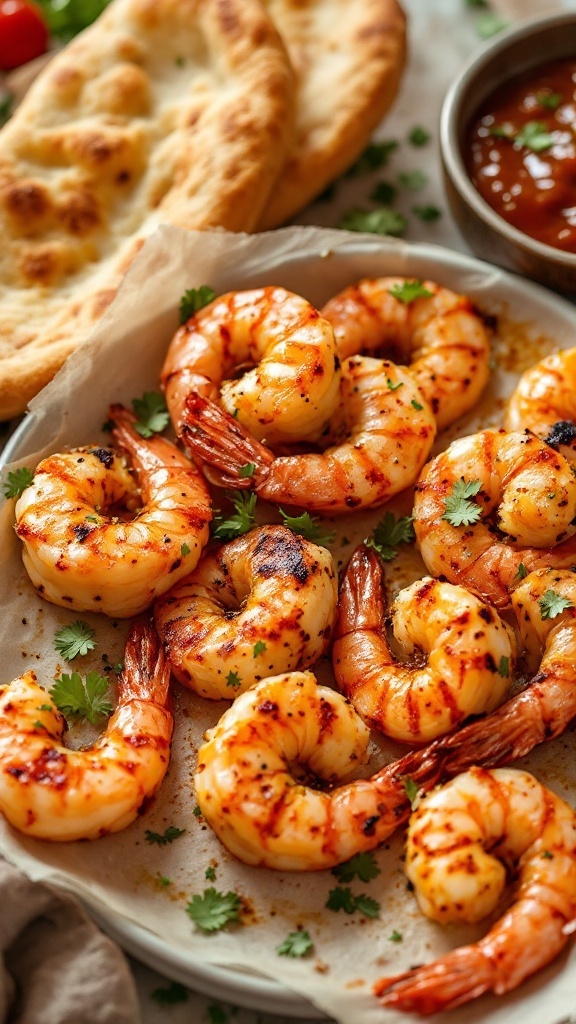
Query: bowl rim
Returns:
{"type": "Point", "coordinates": [450, 151]}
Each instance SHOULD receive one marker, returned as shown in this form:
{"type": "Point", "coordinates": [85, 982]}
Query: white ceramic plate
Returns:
{"type": "Point", "coordinates": [318, 264]}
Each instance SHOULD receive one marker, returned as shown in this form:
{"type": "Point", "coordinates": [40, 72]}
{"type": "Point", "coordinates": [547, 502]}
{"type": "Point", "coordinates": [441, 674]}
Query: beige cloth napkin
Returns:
{"type": "Point", "coordinates": [56, 967]}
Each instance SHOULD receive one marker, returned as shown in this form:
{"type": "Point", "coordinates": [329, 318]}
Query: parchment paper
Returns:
{"type": "Point", "coordinates": [121, 874]}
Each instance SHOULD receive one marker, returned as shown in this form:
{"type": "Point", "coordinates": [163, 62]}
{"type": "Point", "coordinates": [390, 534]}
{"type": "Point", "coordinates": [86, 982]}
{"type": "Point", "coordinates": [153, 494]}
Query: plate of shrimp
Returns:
{"type": "Point", "coordinates": [333, 609]}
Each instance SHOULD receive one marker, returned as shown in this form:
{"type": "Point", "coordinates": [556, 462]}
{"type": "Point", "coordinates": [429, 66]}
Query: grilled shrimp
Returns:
{"type": "Point", "coordinates": [522, 513]}
{"type": "Point", "coordinates": [263, 814]}
{"type": "Point", "coordinates": [543, 710]}
{"type": "Point", "coordinates": [256, 606]}
{"type": "Point", "coordinates": [51, 792]}
{"type": "Point", "coordinates": [461, 841]}
{"type": "Point", "coordinates": [544, 402]}
{"type": "Point", "coordinates": [440, 336]}
{"type": "Point", "coordinates": [79, 554]}
{"type": "Point", "coordinates": [290, 387]}
{"type": "Point", "coordinates": [376, 448]}
{"type": "Point", "coordinates": [469, 653]}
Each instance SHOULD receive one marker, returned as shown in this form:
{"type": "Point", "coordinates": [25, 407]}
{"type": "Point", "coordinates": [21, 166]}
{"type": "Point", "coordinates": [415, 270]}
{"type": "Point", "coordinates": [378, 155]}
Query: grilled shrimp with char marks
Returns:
{"type": "Point", "coordinates": [51, 792]}
{"type": "Point", "coordinates": [461, 840]}
{"type": "Point", "coordinates": [544, 402]}
{"type": "Point", "coordinates": [259, 605]}
{"type": "Point", "coordinates": [440, 336]}
{"type": "Point", "coordinates": [248, 791]}
{"type": "Point", "coordinates": [469, 653]}
{"type": "Point", "coordinates": [526, 503]}
{"type": "Point", "coordinates": [376, 447]}
{"type": "Point", "coordinates": [80, 555]}
{"type": "Point", "coordinates": [289, 389]}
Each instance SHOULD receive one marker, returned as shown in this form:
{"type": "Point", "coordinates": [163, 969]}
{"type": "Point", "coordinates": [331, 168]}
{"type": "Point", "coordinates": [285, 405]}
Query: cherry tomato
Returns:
{"type": "Point", "coordinates": [23, 33]}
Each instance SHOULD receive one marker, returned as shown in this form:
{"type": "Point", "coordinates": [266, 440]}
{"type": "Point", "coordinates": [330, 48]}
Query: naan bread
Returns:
{"type": "Point", "coordinates": [348, 56]}
{"type": "Point", "coordinates": [174, 111]}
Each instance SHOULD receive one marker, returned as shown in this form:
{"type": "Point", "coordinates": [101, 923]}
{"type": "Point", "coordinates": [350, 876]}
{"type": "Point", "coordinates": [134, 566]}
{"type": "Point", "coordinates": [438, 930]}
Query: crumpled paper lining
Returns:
{"type": "Point", "coordinates": [120, 875]}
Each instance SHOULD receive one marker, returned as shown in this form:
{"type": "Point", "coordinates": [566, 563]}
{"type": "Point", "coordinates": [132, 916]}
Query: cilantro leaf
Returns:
{"type": "Point", "coordinates": [549, 100]}
{"type": "Point", "coordinates": [213, 910]}
{"type": "Point", "coordinates": [74, 640]}
{"type": "Point", "coordinates": [389, 533]}
{"type": "Point", "coordinates": [374, 157]}
{"type": "Point", "coordinates": [504, 667]}
{"type": "Point", "coordinates": [383, 193]}
{"type": "Point", "coordinates": [162, 839]}
{"type": "Point", "coordinates": [295, 944]}
{"type": "Point", "coordinates": [552, 604]}
{"type": "Point", "coordinates": [341, 898]}
{"type": "Point", "coordinates": [411, 789]}
{"type": "Point", "coordinates": [259, 648]}
{"type": "Point", "coordinates": [376, 222]}
{"type": "Point", "coordinates": [522, 572]}
{"type": "Point", "coordinates": [427, 213]}
{"type": "Point", "coordinates": [535, 136]}
{"type": "Point", "coordinates": [460, 511]}
{"type": "Point", "coordinates": [241, 521]}
{"type": "Point", "coordinates": [367, 906]}
{"type": "Point", "coordinates": [413, 180]}
{"type": "Point", "coordinates": [173, 993]}
{"type": "Point", "coordinates": [82, 699]}
{"type": "Point", "coordinates": [17, 481]}
{"type": "Point", "coordinates": [307, 526]}
{"type": "Point", "coordinates": [409, 291]}
{"type": "Point", "coordinates": [418, 136]}
{"type": "Point", "coordinates": [233, 680]}
{"type": "Point", "coordinates": [151, 413]}
{"type": "Point", "coordinates": [395, 936]}
{"type": "Point", "coordinates": [194, 299]}
{"type": "Point", "coordinates": [210, 873]}
{"type": "Point", "coordinates": [362, 865]}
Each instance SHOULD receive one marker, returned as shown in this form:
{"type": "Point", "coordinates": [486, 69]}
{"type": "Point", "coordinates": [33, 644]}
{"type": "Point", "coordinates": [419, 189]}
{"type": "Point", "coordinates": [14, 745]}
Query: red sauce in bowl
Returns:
{"type": "Point", "coordinates": [520, 152]}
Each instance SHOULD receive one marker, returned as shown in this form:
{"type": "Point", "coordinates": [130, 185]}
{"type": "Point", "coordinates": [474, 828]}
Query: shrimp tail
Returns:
{"type": "Point", "coordinates": [362, 602]}
{"type": "Point", "coordinates": [510, 732]}
{"type": "Point", "coordinates": [215, 439]}
{"type": "Point", "coordinates": [146, 672]}
{"type": "Point", "coordinates": [454, 979]}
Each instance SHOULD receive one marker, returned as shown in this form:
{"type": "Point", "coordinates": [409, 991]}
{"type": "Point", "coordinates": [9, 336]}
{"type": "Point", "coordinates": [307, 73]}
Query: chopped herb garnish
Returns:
{"type": "Point", "coordinates": [409, 291]}
{"type": "Point", "coordinates": [295, 944]}
{"type": "Point", "coordinates": [416, 405]}
{"type": "Point", "coordinates": [308, 526]}
{"type": "Point", "coordinates": [342, 898]}
{"type": "Point", "coordinates": [411, 789]}
{"type": "Point", "coordinates": [504, 667]}
{"type": "Point", "coordinates": [173, 993]}
{"type": "Point", "coordinates": [549, 100]}
{"type": "Point", "coordinates": [210, 874]}
{"type": "Point", "coordinates": [184, 550]}
{"type": "Point", "coordinates": [152, 415]}
{"type": "Point", "coordinates": [547, 854]}
{"type": "Point", "coordinates": [247, 469]}
{"type": "Point", "coordinates": [361, 865]}
{"type": "Point", "coordinates": [489, 24]}
{"type": "Point", "coordinates": [535, 136]}
{"type": "Point", "coordinates": [413, 180]}
{"type": "Point", "coordinates": [217, 1014]}
{"type": "Point", "coordinates": [459, 510]}
{"type": "Point", "coordinates": [395, 936]}
{"type": "Point", "coordinates": [389, 533]}
{"type": "Point", "coordinates": [552, 604]}
{"type": "Point", "coordinates": [259, 648]}
{"type": "Point", "coordinates": [427, 213]}
{"type": "Point", "coordinates": [196, 811]}
{"type": "Point", "coordinates": [213, 910]}
{"type": "Point", "coordinates": [374, 157]}
{"type": "Point", "coordinates": [5, 108]}
{"type": "Point", "coordinates": [163, 838]}
{"type": "Point", "coordinates": [45, 707]}
{"type": "Point", "coordinates": [375, 222]}
{"type": "Point", "coordinates": [194, 299]}
{"type": "Point", "coordinates": [383, 193]}
{"type": "Point", "coordinates": [233, 680]}
{"type": "Point", "coordinates": [17, 481]}
{"type": "Point", "coordinates": [74, 640]}
{"type": "Point", "coordinates": [240, 522]}
{"type": "Point", "coordinates": [522, 572]}
{"type": "Point", "coordinates": [80, 698]}
{"type": "Point", "coordinates": [164, 882]}
{"type": "Point", "coordinates": [418, 136]}
{"type": "Point", "coordinates": [68, 17]}
{"type": "Point", "coordinates": [394, 386]}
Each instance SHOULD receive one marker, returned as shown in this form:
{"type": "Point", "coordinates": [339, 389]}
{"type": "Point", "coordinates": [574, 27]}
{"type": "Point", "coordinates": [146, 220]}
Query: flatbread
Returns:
{"type": "Point", "coordinates": [348, 56]}
{"type": "Point", "coordinates": [175, 111]}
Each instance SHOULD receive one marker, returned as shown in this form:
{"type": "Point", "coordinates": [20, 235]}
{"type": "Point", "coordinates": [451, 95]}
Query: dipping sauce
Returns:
{"type": "Point", "coordinates": [520, 152]}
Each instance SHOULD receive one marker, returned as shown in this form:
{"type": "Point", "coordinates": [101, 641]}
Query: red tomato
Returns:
{"type": "Point", "coordinates": [23, 33]}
